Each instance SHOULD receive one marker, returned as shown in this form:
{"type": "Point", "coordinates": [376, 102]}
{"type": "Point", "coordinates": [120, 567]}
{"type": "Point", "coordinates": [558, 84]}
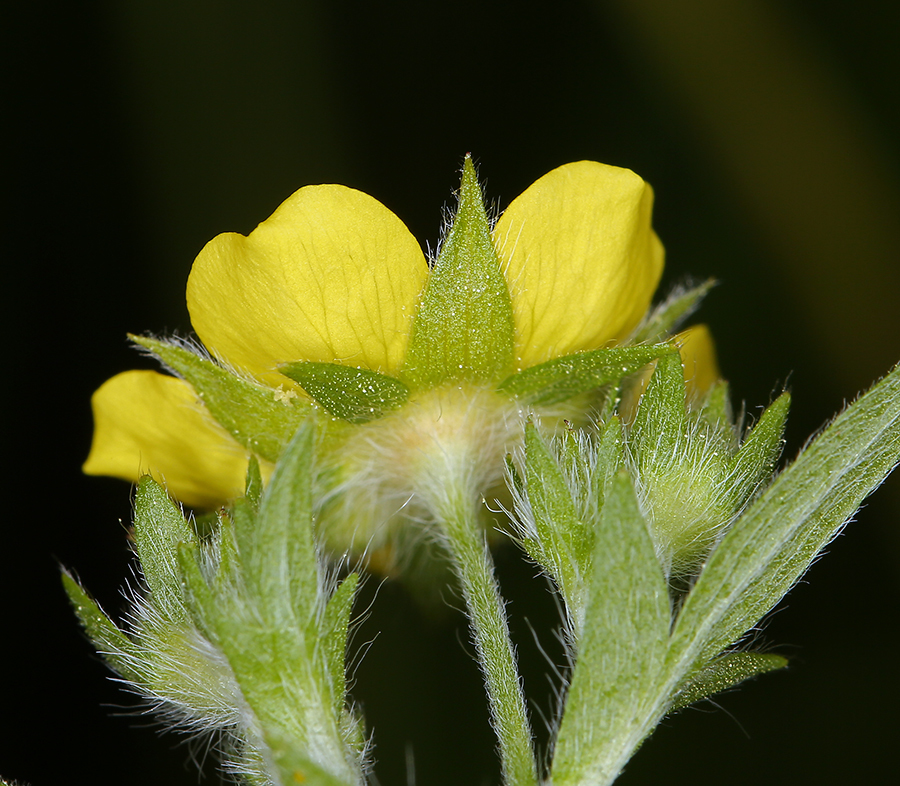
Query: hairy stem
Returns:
{"type": "Point", "coordinates": [487, 618]}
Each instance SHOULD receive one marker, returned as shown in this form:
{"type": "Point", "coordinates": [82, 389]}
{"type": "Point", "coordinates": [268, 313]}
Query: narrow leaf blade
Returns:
{"type": "Point", "coordinates": [159, 527]}
{"type": "Point", "coordinates": [723, 673]}
{"type": "Point", "coordinates": [621, 650]}
{"type": "Point", "coordinates": [767, 550]}
{"type": "Point", "coordinates": [279, 553]}
{"type": "Point", "coordinates": [111, 642]}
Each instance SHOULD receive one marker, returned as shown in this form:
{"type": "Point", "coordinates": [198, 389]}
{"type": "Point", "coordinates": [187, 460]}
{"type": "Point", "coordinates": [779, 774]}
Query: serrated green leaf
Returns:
{"type": "Point", "coordinates": [159, 527]}
{"type": "Point", "coordinates": [621, 649]}
{"type": "Point", "coordinates": [562, 378]}
{"type": "Point", "coordinates": [111, 642]}
{"type": "Point", "coordinates": [767, 550]}
{"type": "Point", "coordinates": [759, 452]}
{"type": "Point", "coordinates": [356, 395]}
{"type": "Point", "coordinates": [260, 418]}
{"type": "Point", "coordinates": [669, 314]}
{"type": "Point", "coordinates": [725, 672]}
{"type": "Point", "coordinates": [463, 328]}
{"type": "Point", "coordinates": [278, 555]}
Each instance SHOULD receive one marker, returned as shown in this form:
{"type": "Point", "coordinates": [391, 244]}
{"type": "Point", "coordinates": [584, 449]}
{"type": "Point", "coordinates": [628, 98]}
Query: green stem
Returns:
{"type": "Point", "coordinates": [475, 570]}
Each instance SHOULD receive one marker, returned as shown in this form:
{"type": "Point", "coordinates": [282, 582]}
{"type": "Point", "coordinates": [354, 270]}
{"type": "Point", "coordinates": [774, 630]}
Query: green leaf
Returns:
{"type": "Point", "coordinates": [333, 636]}
{"type": "Point", "coordinates": [463, 328]}
{"type": "Point", "coordinates": [769, 548]}
{"type": "Point", "coordinates": [159, 527]}
{"type": "Point", "coordinates": [561, 379]}
{"type": "Point", "coordinates": [353, 394]}
{"type": "Point", "coordinates": [253, 488]}
{"type": "Point", "coordinates": [755, 461]}
{"type": "Point", "coordinates": [563, 541]}
{"type": "Point", "coordinates": [278, 554]}
{"type": "Point", "coordinates": [112, 643]}
{"type": "Point", "coordinates": [669, 314]}
{"type": "Point", "coordinates": [621, 650]}
{"type": "Point", "coordinates": [607, 462]}
{"type": "Point", "coordinates": [203, 602]}
{"type": "Point", "coordinates": [260, 418]}
{"type": "Point", "coordinates": [716, 410]}
{"type": "Point", "coordinates": [725, 672]}
{"type": "Point", "coordinates": [660, 423]}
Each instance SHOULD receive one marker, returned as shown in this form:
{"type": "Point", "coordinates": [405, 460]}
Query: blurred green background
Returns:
{"type": "Point", "coordinates": [770, 133]}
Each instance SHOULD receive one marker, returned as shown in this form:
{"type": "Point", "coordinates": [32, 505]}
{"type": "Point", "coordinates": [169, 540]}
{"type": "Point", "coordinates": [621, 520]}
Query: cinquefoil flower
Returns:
{"type": "Point", "coordinates": [427, 374]}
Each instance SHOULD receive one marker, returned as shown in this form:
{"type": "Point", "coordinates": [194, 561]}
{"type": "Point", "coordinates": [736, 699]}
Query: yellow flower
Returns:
{"type": "Point", "coordinates": [335, 277]}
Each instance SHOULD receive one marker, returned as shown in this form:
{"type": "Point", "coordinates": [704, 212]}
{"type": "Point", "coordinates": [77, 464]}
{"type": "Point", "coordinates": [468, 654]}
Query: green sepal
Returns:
{"type": "Point", "coordinates": [755, 462]}
{"type": "Point", "coordinates": [333, 631]}
{"type": "Point", "coordinates": [112, 643]}
{"type": "Point", "coordinates": [672, 312]}
{"type": "Point", "coordinates": [717, 411]}
{"type": "Point", "coordinates": [463, 328]}
{"type": "Point", "coordinates": [357, 395]}
{"type": "Point", "coordinates": [562, 378]}
{"type": "Point", "coordinates": [621, 648]}
{"type": "Point", "coordinates": [768, 548]}
{"type": "Point", "coordinates": [725, 672]}
{"type": "Point", "coordinates": [201, 598]}
{"type": "Point", "coordinates": [608, 460]}
{"type": "Point", "coordinates": [159, 527]}
{"type": "Point", "coordinates": [515, 479]}
{"type": "Point", "coordinates": [260, 418]}
{"type": "Point", "coordinates": [661, 419]}
{"type": "Point", "coordinates": [278, 553]}
{"type": "Point", "coordinates": [253, 486]}
{"type": "Point", "coordinates": [563, 542]}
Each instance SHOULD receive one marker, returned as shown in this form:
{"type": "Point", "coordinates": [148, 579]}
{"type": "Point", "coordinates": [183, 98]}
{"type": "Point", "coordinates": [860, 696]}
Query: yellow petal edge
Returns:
{"type": "Point", "coordinates": [333, 275]}
{"type": "Point", "coordinates": [149, 423]}
{"type": "Point", "coordinates": [698, 353]}
{"type": "Point", "coordinates": [580, 257]}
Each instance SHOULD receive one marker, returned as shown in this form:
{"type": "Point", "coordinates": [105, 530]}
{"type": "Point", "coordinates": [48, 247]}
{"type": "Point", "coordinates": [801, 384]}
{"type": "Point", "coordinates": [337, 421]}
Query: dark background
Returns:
{"type": "Point", "coordinates": [141, 129]}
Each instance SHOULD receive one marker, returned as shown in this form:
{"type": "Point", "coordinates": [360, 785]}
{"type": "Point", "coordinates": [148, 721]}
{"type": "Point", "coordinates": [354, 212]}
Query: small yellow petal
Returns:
{"type": "Point", "coordinates": [332, 275]}
{"type": "Point", "coordinates": [698, 353]}
{"type": "Point", "coordinates": [148, 423]}
{"type": "Point", "coordinates": [580, 257]}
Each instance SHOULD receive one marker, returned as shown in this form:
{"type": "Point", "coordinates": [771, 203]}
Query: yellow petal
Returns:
{"type": "Point", "coordinates": [580, 257]}
{"type": "Point", "coordinates": [148, 423]}
{"type": "Point", "coordinates": [698, 354]}
{"type": "Point", "coordinates": [332, 275]}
